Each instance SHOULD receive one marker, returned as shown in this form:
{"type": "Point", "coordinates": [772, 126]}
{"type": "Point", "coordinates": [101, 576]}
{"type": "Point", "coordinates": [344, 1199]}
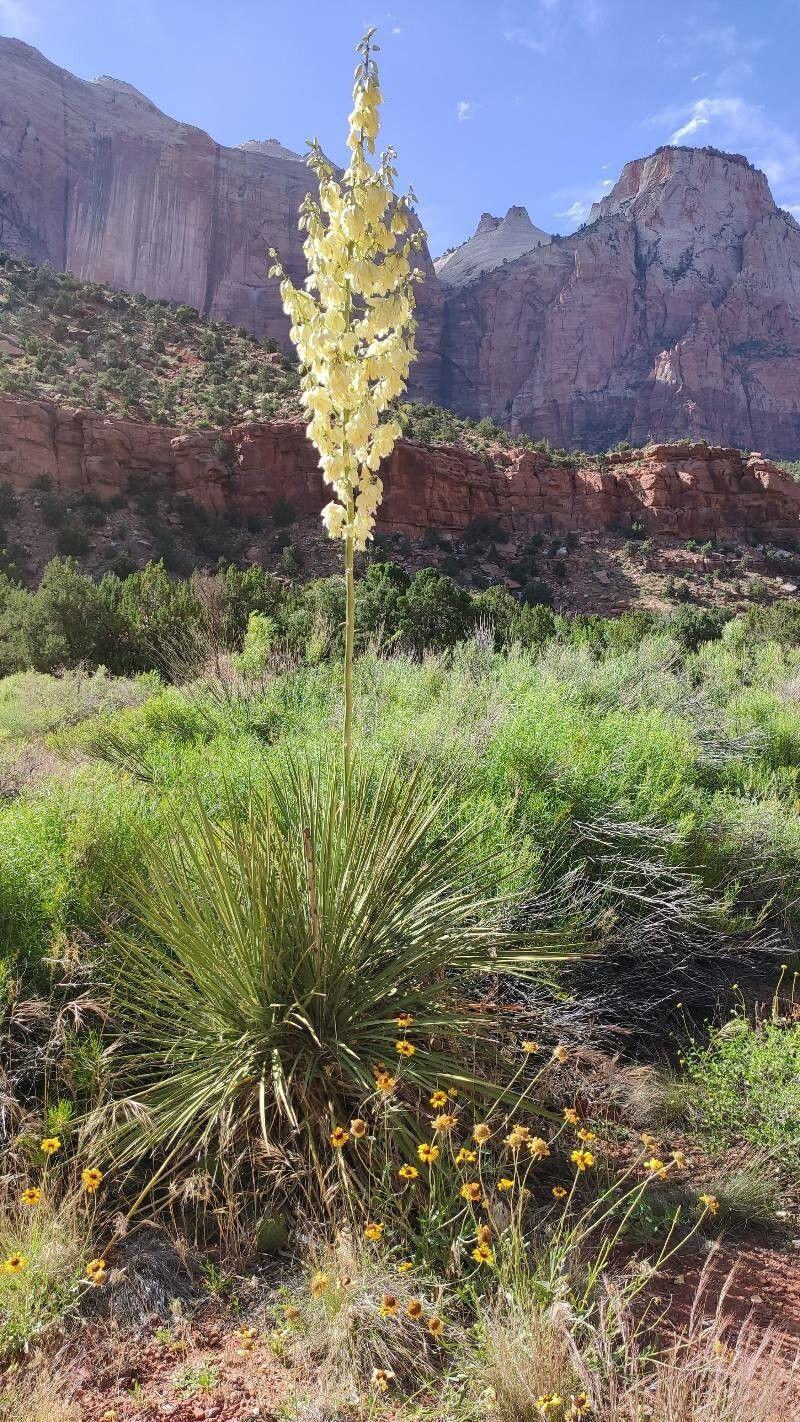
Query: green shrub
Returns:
{"type": "Point", "coordinates": [747, 1087]}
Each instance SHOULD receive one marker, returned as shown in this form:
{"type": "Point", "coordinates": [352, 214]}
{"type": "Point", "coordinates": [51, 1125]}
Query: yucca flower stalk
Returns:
{"type": "Point", "coordinates": [353, 326]}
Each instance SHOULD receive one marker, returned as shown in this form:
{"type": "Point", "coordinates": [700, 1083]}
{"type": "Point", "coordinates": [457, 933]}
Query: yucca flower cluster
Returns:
{"type": "Point", "coordinates": [353, 321]}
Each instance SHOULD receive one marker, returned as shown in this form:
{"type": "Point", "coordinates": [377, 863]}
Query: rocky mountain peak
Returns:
{"type": "Point", "coordinates": [496, 240]}
{"type": "Point", "coordinates": [680, 185]}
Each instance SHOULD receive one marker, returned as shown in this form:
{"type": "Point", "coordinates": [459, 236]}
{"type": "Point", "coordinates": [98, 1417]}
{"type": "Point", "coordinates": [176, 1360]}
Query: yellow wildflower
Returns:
{"type": "Point", "coordinates": [579, 1406]}
{"type": "Point", "coordinates": [428, 1153]}
{"type": "Point", "coordinates": [358, 1128]}
{"type": "Point", "coordinates": [517, 1137]}
{"type": "Point", "coordinates": [373, 1231]}
{"type": "Point", "coordinates": [466, 1157]}
{"type": "Point", "coordinates": [403, 1020]}
{"type": "Point", "coordinates": [679, 1159]}
{"type": "Point", "coordinates": [96, 1271]}
{"type": "Point", "coordinates": [483, 1254]}
{"type": "Point", "coordinates": [439, 1099]}
{"type": "Point", "coordinates": [584, 1135]}
{"type": "Point", "coordinates": [558, 1192]}
{"type": "Point", "coordinates": [414, 1308]}
{"type": "Point", "coordinates": [339, 1137]}
{"type": "Point", "coordinates": [471, 1191]}
{"type": "Point", "coordinates": [711, 1203]}
{"type": "Point", "coordinates": [385, 1082]}
{"type": "Point", "coordinates": [382, 1379]}
{"type": "Point", "coordinates": [91, 1179]}
{"type": "Point", "coordinates": [571, 1116]}
{"type": "Point", "coordinates": [404, 1048]}
{"type": "Point", "coordinates": [319, 1284]}
{"type": "Point", "coordinates": [408, 1172]}
{"type": "Point", "coordinates": [657, 1167]}
{"type": "Point", "coordinates": [435, 1326]}
{"type": "Point", "coordinates": [405, 1267]}
{"type": "Point", "coordinates": [50, 1145]}
{"type": "Point", "coordinates": [538, 1148]}
{"type": "Point", "coordinates": [583, 1159]}
{"type": "Point", "coordinates": [388, 1306]}
{"type": "Point", "coordinates": [483, 1234]}
{"type": "Point", "coordinates": [481, 1134]}
{"type": "Point", "coordinates": [530, 1048]}
{"type": "Point", "coordinates": [15, 1263]}
{"type": "Point", "coordinates": [560, 1054]}
{"type": "Point", "coordinates": [504, 1183]}
{"type": "Point", "coordinates": [31, 1196]}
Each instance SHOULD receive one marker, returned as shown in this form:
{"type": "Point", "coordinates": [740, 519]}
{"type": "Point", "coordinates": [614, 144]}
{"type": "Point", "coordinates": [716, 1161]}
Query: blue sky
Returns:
{"type": "Point", "coordinates": [489, 102]}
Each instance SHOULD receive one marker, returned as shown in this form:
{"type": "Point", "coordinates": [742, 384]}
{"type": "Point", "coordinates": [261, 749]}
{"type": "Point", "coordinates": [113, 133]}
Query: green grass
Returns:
{"type": "Point", "coordinates": [746, 1088]}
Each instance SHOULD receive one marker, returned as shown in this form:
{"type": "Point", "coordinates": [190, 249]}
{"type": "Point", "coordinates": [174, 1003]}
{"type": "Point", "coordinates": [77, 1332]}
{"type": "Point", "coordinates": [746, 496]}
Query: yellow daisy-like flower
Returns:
{"type": "Point", "coordinates": [530, 1048]}
{"type": "Point", "coordinates": [584, 1135]}
{"type": "Point", "coordinates": [31, 1196]}
{"type": "Point", "coordinates": [549, 1402]}
{"type": "Point", "coordinates": [483, 1234]}
{"type": "Point", "coordinates": [483, 1254]}
{"type": "Point", "coordinates": [579, 1405]}
{"type": "Point", "coordinates": [466, 1157]}
{"type": "Point", "coordinates": [710, 1202]}
{"type": "Point", "coordinates": [560, 1054]}
{"type": "Point", "coordinates": [92, 1179]}
{"type": "Point", "coordinates": [15, 1263]}
{"type": "Point", "coordinates": [50, 1145]}
{"type": "Point", "coordinates": [657, 1167]}
{"type": "Point", "coordinates": [339, 1137]}
{"type": "Point", "coordinates": [291, 1313]}
{"type": "Point", "coordinates": [435, 1326]}
{"type": "Point", "coordinates": [679, 1159]}
{"type": "Point", "coordinates": [403, 1020]}
{"type": "Point", "coordinates": [319, 1283]}
{"type": "Point", "coordinates": [385, 1082]}
{"type": "Point", "coordinates": [96, 1271]}
{"type": "Point", "coordinates": [443, 1124]}
{"type": "Point", "coordinates": [405, 1266]}
{"type": "Point", "coordinates": [439, 1100]}
{"type": "Point", "coordinates": [428, 1153]}
{"type": "Point", "coordinates": [471, 1191]}
{"type": "Point", "coordinates": [481, 1134]}
{"type": "Point", "coordinates": [538, 1148]}
{"type": "Point", "coordinates": [558, 1192]}
{"type": "Point", "coordinates": [504, 1183]}
{"type": "Point", "coordinates": [649, 1142]}
{"type": "Point", "coordinates": [414, 1308]}
{"type": "Point", "coordinates": [404, 1048]}
{"type": "Point", "coordinates": [358, 1128]}
{"type": "Point", "coordinates": [388, 1306]}
{"type": "Point", "coordinates": [583, 1159]}
{"type": "Point", "coordinates": [382, 1379]}
{"type": "Point", "coordinates": [373, 1231]}
{"type": "Point", "coordinates": [408, 1172]}
{"type": "Point", "coordinates": [571, 1116]}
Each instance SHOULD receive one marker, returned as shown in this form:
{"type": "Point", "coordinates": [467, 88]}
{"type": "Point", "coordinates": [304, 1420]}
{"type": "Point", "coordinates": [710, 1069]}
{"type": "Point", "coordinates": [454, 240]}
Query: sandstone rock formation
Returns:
{"type": "Point", "coordinates": [684, 490]}
{"type": "Point", "coordinates": [495, 241]}
{"type": "Point", "coordinates": [96, 180]}
{"type": "Point", "coordinates": [674, 312]}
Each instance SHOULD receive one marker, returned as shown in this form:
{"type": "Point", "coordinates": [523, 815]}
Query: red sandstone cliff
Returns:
{"type": "Point", "coordinates": [96, 180]}
{"type": "Point", "coordinates": [675, 312]}
{"type": "Point", "coordinates": [689, 490]}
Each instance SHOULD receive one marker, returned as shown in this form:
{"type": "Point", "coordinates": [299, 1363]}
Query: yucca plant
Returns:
{"type": "Point", "coordinates": [277, 944]}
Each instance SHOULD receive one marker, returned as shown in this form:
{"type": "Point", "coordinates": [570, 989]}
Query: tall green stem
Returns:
{"type": "Point", "coordinates": [349, 640]}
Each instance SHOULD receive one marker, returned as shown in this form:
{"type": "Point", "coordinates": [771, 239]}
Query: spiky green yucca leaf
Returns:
{"type": "Point", "coordinates": [277, 945]}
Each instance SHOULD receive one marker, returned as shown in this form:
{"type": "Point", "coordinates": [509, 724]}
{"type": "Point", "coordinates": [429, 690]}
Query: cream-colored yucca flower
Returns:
{"type": "Point", "coordinates": [353, 321]}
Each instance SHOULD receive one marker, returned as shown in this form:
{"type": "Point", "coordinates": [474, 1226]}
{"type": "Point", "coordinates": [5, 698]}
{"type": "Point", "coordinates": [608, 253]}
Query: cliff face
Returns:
{"type": "Point", "coordinates": [96, 180]}
{"type": "Point", "coordinates": [688, 491]}
{"type": "Point", "coordinates": [675, 312]}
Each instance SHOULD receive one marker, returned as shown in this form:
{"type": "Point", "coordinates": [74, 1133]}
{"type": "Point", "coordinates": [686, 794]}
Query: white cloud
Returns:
{"type": "Point", "coordinates": [577, 213]}
{"type": "Point", "coordinates": [735, 125]}
{"type": "Point", "coordinates": [573, 205]}
{"type": "Point", "coordinates": [17, 18]}
{"type": "Point", "coordinates": [465, 109]}
{"type": "Point", "coordinates": [697, 77]}
{"type": "Point", "coordinates": [397, 29]}
{"type": "Point", "coordinates": [542, 25]}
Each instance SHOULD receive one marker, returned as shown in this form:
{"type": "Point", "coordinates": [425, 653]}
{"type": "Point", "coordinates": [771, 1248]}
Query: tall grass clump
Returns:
{"type": "Point", "coordinates": [280, 947]}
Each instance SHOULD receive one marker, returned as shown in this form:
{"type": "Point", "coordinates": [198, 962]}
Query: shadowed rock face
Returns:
{"type": "Point", "coordinates": [675, 312]}
{"type": "Point", "coordinates": [96, 180]}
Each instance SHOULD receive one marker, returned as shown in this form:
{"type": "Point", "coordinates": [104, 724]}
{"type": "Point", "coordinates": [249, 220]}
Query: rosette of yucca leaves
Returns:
{"type": "Point", "coordinates": [276, 943]}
